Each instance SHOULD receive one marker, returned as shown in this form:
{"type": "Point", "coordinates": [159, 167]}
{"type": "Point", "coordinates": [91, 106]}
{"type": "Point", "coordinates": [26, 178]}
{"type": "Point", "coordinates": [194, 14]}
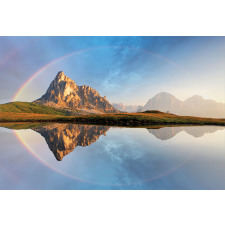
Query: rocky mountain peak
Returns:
{"type": "Point", "coordinates": [60, 76]}
{"type": "Point", "coordinates": [65, 93]}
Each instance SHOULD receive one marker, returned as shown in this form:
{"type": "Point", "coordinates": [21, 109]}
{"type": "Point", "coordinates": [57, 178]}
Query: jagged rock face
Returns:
{"type": "Point", "coordinates": [64, 138]}
{"type": "Point", "coordinates": [65, 93]}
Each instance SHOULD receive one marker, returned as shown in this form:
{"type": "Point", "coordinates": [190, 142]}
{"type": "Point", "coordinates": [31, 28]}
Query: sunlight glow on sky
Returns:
{"type": "Point", "coordinates": [124, 69]}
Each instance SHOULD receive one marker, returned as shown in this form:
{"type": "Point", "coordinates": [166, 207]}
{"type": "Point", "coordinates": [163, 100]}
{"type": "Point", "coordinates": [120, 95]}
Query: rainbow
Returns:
{"type": "Point", "coordinates": [30, 150]}
{"type": "Point", "coordinates": [20, 90]}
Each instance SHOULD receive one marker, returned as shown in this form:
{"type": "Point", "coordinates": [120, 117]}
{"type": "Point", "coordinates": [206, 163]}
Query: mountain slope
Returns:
{"type": "Point", "coordinates": [65, 93]}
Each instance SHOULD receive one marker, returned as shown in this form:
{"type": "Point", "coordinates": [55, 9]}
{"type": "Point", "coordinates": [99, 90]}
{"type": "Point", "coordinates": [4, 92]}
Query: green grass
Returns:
{"type": "Point", "coordinates": [27, 107]}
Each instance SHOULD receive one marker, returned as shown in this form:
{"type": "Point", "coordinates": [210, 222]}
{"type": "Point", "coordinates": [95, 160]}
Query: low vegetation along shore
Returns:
{"type": "Point", "coordinates": [30, 112]}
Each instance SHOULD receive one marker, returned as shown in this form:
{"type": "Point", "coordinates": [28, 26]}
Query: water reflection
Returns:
{"type": "Point", "coordinates": [169, 132]}
{"type": "Point", "coordinates": [64, 138]}
{"type": "Point", "coordinates": [99, 157]}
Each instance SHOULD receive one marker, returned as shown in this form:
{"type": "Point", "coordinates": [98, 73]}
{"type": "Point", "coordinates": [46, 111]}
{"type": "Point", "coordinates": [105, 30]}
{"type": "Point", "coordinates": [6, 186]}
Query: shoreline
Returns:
{"type": "Point", "coordinates": [116, 119]}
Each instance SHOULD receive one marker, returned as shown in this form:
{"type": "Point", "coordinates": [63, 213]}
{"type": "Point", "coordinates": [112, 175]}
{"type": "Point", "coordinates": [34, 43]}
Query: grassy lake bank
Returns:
{"type": "Point", "coordinates": [111, 119]}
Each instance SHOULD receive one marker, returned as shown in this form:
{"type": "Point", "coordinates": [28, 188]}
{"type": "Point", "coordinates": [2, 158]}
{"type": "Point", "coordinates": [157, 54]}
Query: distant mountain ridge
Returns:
{"type": "Point", "coordinates": [193, 106]}
{"type": "Point", "coordinates": [65, 93]}
{"type": "Point", "coordinates": [165, 102]}
{"type": "Point", "coordinates": [125, 108]}
{"type": "Point", "coordinates": [169, 132]}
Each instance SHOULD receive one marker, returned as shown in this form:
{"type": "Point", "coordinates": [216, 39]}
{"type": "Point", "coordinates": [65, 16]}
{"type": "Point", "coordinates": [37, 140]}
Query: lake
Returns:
{"type": "Point", "coordinates": [73, 156]}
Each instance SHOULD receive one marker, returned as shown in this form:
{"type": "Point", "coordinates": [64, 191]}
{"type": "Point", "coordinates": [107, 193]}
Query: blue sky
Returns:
{"type": "Point", "coordinates": [124, 69]}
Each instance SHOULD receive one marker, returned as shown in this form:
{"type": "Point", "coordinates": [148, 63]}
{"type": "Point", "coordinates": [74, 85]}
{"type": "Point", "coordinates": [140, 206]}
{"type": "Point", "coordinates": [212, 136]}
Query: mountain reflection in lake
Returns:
{"type": "Point", "coordinates": [169, 132]}
{"type": "Point", "coordinates": [99, 157]}
{"type": "Point", "coordinates": [64, 138]}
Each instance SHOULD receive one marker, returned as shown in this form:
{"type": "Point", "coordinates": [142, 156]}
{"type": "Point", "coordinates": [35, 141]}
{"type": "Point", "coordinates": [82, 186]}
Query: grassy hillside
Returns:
{"type": "Point", "coordinates": [27, 107]}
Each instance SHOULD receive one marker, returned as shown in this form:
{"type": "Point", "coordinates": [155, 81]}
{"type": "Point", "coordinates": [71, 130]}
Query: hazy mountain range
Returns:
{"type": "Point", "coordinates": [193, 106]}
{"type": "Point", "coordinates": [125, 108]}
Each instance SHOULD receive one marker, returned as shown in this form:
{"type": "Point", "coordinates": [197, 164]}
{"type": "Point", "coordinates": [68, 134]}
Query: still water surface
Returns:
{"type": "Point", "coordinates": [72, 156]}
